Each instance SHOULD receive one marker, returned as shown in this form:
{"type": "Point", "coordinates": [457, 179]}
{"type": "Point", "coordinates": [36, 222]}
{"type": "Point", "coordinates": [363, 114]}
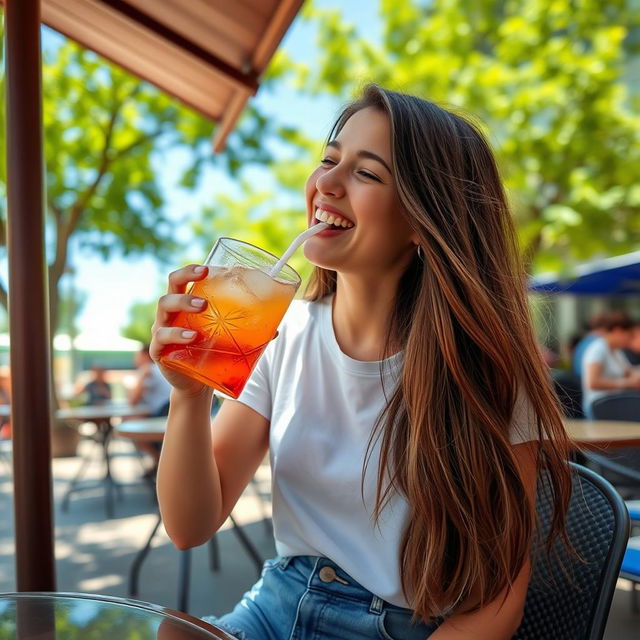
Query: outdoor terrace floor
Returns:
{"type": "Point", "coordinates": [94, 554]}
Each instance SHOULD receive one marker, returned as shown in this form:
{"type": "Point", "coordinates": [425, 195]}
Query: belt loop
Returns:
{"type": "Point", "coordinates": [376, 605]}
{"type": "Point", "coordinates": [284, 562]}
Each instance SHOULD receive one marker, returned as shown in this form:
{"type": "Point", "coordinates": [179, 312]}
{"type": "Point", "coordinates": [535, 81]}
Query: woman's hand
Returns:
{"type": "Point", "coordinates": [163, 334]}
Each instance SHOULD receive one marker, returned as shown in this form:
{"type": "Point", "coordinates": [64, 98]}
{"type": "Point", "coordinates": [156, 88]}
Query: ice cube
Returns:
{"type": "Point", "coordinates": [256, 283]}
{"type": "Point", "coordinates": [219, 272]}
{"type": "Point", "coordinates": [229, 285]}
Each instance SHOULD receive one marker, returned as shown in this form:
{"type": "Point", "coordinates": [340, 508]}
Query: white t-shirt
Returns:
{"type": "Point", "coordinates": [322, 406]}
{"type": "Point", "coordinates": [614, 365]}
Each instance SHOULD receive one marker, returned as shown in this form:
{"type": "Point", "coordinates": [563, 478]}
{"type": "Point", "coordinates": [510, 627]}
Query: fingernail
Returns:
{"type": "Point", "coordinates": [188, 334]}
{"type": "Point", "coordinates": [198, 269]}
{"type": "Point", "coordinates": [197, 302]}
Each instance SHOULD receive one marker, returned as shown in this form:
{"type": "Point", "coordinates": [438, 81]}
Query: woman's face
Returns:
{"type": "Point", "coordinates": [354, 188]}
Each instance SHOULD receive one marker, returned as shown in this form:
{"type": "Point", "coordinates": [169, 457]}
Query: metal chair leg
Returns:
{"type": "Point", "coordinates": [268, 527]}
{"type": "Point", "coordinates": [184, 580]}
{"type": "Point", "coordinates": [247, 544]}
{"type": "Point", "coordinates": [136, 565]}
{"type": "Point", "coordinates": [73, 484]}
{"type": "Point", "coordinates": [214, 554]}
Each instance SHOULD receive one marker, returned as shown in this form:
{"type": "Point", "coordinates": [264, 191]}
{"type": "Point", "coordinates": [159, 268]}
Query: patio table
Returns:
{"type": "Point", "coordinates": [603, 434]}
{"type": "Point", "coordinates": [102, 416]}
{"type": "Point", "coordinates": [35, 616]}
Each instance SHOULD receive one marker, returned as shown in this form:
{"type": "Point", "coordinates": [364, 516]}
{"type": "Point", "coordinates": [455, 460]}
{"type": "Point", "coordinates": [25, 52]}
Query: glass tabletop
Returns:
{"type": "Point", "coordinates": [67, 616]}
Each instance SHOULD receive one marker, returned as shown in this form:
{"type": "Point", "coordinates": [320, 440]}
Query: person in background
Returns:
{"type": "Point", "coordinates": [595, 330]}
{"type": "Point", "coordinates": [605, 368]}
{"type": "Point", "coordinates": [152, 390]}
{"type": "Point", "coordinates": [97, 391]}
{"type": "Point", "coordinates": [633, 350]}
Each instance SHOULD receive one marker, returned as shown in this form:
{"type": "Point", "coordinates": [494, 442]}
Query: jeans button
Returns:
{"type": "Point", "coordinates": [327, 574]}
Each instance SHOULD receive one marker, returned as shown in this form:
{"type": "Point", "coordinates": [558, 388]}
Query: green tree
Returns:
{"type": "Point", "coordinates": [141, 317]}
{"type": "Point", "coordinates": [272, 214]}
{"type": "Point", "coordinates": [553, 86]}
{"type": "Point", "coordinates": [257, 218]}
{"type": "Point", "coordinates": [103, 130]}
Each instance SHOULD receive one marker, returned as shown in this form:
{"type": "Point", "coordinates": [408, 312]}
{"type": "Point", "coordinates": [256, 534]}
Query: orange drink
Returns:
{"type": "Point", "coordinates": [244, 308]}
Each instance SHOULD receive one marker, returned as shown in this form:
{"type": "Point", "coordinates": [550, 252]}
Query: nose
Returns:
{"type": "Point", "coordinates": [330, 183]}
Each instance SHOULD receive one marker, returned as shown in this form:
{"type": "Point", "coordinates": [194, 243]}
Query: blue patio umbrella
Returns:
{"type": "Point", "coordinates": [619, 275]}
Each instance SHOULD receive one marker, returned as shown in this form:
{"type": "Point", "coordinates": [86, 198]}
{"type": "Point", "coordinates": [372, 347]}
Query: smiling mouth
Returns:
{"type": "Point", "coordinates": [335, 220]}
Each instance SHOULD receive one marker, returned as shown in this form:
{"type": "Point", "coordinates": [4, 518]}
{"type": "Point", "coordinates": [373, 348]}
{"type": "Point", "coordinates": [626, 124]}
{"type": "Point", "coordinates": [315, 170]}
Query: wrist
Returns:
{"type": "Point", "coordinates": [197, 397]}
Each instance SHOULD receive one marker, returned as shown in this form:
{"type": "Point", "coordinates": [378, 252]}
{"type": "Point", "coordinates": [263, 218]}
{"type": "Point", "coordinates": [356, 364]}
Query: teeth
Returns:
{"type": "Point", "coordinates": [334, 219]}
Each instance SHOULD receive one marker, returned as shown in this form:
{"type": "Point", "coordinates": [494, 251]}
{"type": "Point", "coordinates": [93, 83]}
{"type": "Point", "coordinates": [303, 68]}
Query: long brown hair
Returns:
{"type": "Point", "coordinates": [462, 319]}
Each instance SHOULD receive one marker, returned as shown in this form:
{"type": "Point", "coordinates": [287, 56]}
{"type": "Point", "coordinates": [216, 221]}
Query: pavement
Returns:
{"type": "Point", "coordinates": [94, 554]}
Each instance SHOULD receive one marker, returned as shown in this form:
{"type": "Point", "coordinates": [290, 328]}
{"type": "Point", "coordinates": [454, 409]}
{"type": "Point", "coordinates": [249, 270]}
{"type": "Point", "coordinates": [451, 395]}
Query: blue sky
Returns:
{"type": "Point", "coordinates": [112, 287]}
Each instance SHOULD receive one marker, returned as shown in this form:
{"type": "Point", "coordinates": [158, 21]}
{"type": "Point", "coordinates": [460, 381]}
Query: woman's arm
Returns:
{"type": "Point", "coordinates": [500, 619]}
{"type": "Point", "coordinates": [204, 468]}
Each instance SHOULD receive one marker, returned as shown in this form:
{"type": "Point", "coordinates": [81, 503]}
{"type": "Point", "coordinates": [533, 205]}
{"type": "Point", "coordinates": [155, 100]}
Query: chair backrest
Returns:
{"type": "Point", "coordinates": [568, 388]}
{"type": "Point", "coordinates": [618, 406]}
{"type": "Point", "coordinates": [574, 604]}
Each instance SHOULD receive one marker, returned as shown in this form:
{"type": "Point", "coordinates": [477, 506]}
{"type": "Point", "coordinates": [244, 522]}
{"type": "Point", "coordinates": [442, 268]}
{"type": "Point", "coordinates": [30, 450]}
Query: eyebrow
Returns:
{"type": "Point", "coordinates": [363, 154]}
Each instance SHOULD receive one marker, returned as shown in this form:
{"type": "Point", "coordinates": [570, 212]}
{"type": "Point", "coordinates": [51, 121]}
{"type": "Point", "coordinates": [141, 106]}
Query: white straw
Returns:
{"type": "Point", "coordinates": [305, 235]}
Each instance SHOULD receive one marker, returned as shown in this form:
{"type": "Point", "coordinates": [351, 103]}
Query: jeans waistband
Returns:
{"type": "Point", "coordinates": [325, 575]}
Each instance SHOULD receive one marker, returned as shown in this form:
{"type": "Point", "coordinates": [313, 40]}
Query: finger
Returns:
{"type": "Point", "coordinates": [171, 303]}
{"type": "Point", "coordinates": [174, 302]}
{"type": "Point", "coordinates": [169, 335]}
{"type": "Point", "coordinates": [179, 279]}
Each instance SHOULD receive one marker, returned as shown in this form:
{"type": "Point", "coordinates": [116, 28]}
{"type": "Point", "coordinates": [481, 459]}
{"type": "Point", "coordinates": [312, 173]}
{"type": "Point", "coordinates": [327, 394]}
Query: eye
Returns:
{"type": "Point", "coordinates": [368, 175]}
{"type": "Point", "coordinates": [327, 162]}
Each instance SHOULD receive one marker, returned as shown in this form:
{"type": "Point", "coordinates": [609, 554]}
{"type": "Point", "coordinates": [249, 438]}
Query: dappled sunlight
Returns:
{"type": "Point", "coordinates": [101, 584]}
{"type": "Point", "coordinates": [7, 547]}
{"type": "Point", "coordinates": [624, 585]}
{"type": "Point", "coordinates": [94, 554]}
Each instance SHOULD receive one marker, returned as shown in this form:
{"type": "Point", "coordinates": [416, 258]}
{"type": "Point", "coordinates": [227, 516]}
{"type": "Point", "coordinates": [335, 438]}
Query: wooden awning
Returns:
{"type": "Point", "coordinates": [209, 54]}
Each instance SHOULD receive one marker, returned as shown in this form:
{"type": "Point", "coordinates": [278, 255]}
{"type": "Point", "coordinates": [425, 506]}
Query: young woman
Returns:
{"type": "Point", "coordinates": [405, 403]}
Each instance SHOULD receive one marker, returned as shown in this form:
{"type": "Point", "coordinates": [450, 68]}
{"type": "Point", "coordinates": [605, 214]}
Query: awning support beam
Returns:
{"type": "Point", "coordinates": [28, 302]}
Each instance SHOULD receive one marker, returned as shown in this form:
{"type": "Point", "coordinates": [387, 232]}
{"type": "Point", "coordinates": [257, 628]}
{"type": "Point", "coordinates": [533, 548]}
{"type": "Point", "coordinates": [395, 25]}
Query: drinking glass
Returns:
{"type": "Point", "coordinates": [245, 305]}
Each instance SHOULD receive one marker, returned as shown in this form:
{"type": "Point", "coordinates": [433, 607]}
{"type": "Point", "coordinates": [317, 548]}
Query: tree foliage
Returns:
{"type": "Point", "coordinates": [553, 84]}
{"type": "Point", "coordinates": [105, 132]}
{"type": "Point", "coordinates": [141, 317]}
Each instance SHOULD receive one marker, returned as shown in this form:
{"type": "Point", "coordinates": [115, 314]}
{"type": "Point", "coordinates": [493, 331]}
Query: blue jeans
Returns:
{"type": "Point", "coordinates": [311, 598]}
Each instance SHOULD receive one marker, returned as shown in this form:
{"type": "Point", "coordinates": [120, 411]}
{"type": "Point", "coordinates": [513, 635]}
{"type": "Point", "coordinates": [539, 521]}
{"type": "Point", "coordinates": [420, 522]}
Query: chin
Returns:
{"type": "Point", "coordinates": [317, 257]}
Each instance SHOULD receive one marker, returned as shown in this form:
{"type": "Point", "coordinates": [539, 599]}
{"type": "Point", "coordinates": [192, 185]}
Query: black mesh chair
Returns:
{"type": "Point", "coordinates": [620, 466]}
{"type": "Point", "coordinates": [568, 388]}
{"type": "Point", "coordinates": [618, 406]}
{"type": "Point", "coordinates": [573, 604]}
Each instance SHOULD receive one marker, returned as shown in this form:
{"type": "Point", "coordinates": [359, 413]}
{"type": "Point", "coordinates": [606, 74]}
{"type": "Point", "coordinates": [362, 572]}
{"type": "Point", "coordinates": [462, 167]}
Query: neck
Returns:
{"type": "Point", "coordinates": [361, 311]}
